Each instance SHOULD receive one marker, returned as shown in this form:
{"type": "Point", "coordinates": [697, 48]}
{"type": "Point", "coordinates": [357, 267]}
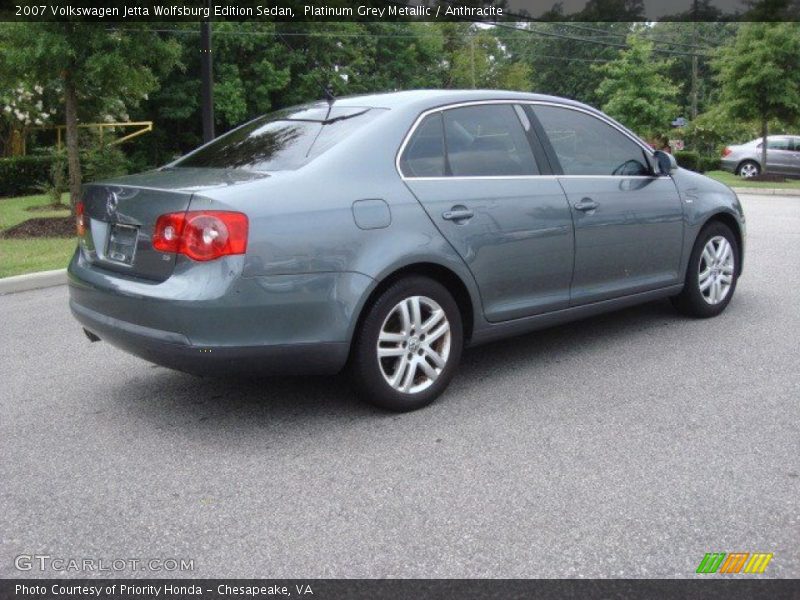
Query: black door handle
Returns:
{"type": "Point", "coordinates": [586, 204]}
{"type": "Point", "coordinates": [458, 213]}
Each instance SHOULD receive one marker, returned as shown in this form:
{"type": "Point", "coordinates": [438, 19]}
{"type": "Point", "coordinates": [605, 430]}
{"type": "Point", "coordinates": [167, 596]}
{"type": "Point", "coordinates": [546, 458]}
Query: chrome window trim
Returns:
{"type": "Point", "coordinates": [647, 149]}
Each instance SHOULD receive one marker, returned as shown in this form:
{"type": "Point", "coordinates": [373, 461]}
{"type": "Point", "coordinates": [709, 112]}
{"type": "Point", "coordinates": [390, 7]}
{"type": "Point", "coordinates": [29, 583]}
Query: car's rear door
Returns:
{"type": "Point", "coordinates": [628, 221]}
{"type": "Point", "coordinates": [780, 158]}
{"type": "Point", "coordinates": [474, 170]}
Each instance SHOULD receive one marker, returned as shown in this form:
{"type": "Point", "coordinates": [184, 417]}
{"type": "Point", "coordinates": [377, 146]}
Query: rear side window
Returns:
{"type": "Point", "coordinates": [779, 144]}
{"type": "Point", "coordinates": [487, 140]}
{"type": "Point", "coordinates": [276, 143]}
{"type": "Point", "coordinates": [585, 145]}
{"type": "Point", "coordinates": [472, 141]}
{"type": "Point", "coordinates": [424, 154]}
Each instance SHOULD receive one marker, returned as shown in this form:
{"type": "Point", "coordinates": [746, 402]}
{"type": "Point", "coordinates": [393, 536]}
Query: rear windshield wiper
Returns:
{"type": "Point", "coordinates": [343, 117]}
{"type": "Point", "coordinates": [331, 120]}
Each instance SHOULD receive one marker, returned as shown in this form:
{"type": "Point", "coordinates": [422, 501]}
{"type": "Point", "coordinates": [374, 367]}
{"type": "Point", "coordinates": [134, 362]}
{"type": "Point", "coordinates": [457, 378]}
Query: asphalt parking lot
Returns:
{"type": "Point", "coordinates": [627, 445]}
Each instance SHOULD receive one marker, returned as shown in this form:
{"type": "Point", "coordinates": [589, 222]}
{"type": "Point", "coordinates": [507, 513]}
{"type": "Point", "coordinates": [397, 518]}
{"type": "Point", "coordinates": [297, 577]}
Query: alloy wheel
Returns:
{"type": "Point", "coordinates": [414, 344]}
{"type": "Point", "coordinates": [748, 170]}
{"type": "Point", "coordinates": [715, 272]}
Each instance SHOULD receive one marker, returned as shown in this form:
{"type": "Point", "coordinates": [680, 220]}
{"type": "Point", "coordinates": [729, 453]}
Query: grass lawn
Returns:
{"type": "Point", "coordinates": [18, 256]}
{"type": "Point", "coordinates": [34, 254]}
{"type": "Point", "coordinates": [734, 181]}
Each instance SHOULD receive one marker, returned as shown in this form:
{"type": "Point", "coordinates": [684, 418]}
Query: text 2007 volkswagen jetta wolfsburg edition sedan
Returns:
{"type": "Point", "coordinates": [386, 232]}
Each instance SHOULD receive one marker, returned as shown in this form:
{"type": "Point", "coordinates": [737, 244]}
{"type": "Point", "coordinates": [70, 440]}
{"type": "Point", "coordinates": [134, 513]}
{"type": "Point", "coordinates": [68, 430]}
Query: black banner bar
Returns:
{"type": "Point", "coordinates": [488, 11]}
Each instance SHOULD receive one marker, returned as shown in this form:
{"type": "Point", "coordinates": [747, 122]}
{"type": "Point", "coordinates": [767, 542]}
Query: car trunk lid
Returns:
{"type": "Point", "coordinates": [120, 217]}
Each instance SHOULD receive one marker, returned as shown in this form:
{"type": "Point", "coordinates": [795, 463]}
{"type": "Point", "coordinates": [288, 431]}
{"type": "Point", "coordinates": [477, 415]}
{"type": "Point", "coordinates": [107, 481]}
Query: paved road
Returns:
{"type": "Point", "coordinates": [625, 445]}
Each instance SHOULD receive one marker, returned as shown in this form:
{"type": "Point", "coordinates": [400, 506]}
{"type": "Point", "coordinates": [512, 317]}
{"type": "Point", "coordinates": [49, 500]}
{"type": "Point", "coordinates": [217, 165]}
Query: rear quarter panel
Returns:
{"type": "Point", "coordinates": [303, 221]}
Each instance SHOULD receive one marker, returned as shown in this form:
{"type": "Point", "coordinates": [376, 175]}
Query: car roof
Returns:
{"type": "Point", "coordinates": [781, 136]}
{"type": "Point", "coordinates": [428, 99]}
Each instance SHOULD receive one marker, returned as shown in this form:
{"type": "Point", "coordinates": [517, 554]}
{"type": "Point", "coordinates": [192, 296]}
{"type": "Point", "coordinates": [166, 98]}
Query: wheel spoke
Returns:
{"type": "Point", "coordinates": [722, 249]}
{"type": "Point", "coordinates": [715, 291]}
{"type": "Point", "coordinates": [432, 321]}
{"type": "Point", "coordinates": [706, 283]}
{"type": "Point", "coordinates": [389, 352]}
{"type": "Point", "coordinates": [405, 317]}
{"type": "Point", "coordinates": [726, 254]}
{"type": "Point", "coordinates": [428, 369]}
{"type": "Point", "coordinates": [438, 332]}
{"type": "Point", "coordinates": [391, 337]}
{"type": "Point", "coordinates": [410, 374]}
{"type": "Point", "coordinates": [397, 377]}
{"type": "Point", "coordinates": [702, 276]}
{"type": "Point", "coordinates": [435, 357]}
{"type": "Point", "coordinates": [416, 312]}
{"type": "Point", "coordinates": [708, 254]}
{"type": "Point", "coordinates": [726, 278]}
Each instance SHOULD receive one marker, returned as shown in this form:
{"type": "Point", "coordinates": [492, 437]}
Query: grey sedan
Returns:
{"type": "Point", "coordinates": [783, 157]}
{"type": "Point", "coordinates": [384, 233]}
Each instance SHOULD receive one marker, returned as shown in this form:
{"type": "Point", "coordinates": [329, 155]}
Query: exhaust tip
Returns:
{"type": "Point", "coordinates": [92, 337]}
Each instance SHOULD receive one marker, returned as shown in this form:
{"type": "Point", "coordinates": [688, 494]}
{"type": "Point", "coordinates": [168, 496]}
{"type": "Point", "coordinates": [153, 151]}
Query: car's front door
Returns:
{"type": "Point", "coordinates": [628, 221]}
{"type": "Point", "coordinates": [795, 151]}
{"type": "Point", "coordinates": [474, 170]}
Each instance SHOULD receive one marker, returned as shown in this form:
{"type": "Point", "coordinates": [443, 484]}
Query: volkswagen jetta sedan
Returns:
{"type": "Point", "coordinates": [385, 233]}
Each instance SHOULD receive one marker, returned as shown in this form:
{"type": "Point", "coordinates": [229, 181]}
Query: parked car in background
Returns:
{"type": "Point", "coordinates": [783, 157]}
{"type": "Point", "coordinates": [385, 233]}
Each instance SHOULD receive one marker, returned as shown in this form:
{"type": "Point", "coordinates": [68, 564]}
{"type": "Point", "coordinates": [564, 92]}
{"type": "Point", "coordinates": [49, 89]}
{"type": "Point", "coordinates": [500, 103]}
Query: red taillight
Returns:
{"type": "Point", "coordinates": [202, 234]}
{"type": "Point", "coordinates": [725, 152]}
{"type": "Point", "coordinates": [80, 224]}
{"type": "Point", "coordinates": [167, 235]}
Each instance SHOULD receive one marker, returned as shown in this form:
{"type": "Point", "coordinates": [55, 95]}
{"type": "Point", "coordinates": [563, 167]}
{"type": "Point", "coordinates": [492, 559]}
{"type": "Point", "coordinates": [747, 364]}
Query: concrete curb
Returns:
{"type": "Point", "coordinates": [766, 191]}
{"type": "Point", "coordinates": [32, 281]}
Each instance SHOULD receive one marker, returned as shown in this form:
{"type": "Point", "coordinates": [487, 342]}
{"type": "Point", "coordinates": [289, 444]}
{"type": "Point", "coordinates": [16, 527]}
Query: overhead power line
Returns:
{"type": "Point", "coordinates": [414, 36]}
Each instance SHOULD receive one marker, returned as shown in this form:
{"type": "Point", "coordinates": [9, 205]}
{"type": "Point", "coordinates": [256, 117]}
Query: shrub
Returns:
{"type": "Point", "coordinates": [103, 163]}
{"type": "Point", "coordinates": [23, 174]}
{"type": "Point", "coordinates": [47, 172]}
{"type": "Point", "coordinates": [688, 159]}
{"type": "Point", "coordinates": [708, 162]}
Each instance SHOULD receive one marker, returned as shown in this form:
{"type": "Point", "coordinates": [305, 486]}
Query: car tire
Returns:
{"type": "Point", "coordinates": [711, 274]}
{"type": "Point", "coordinates": [748, 169]}
{"type": "Point", "coordinates": [408, 345]}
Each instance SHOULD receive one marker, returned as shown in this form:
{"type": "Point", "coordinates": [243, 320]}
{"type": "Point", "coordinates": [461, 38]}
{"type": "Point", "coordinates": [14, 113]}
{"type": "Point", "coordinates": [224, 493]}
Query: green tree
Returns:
{"type": "Point", "coordinates": [97, 69]}
{"type": "Point", "coordinates": [249, 69]}
{"type": "Point", "coordinates": [561, 54]}
{"type": "Point", "coordinates": [759, 75]}
{"type": "Point", "coordinates": [263, 66]}
{"type": "Point", "coordinates": [479, 59]}
{"type": "Point", "coordinates": [693, 44]}
{"type": "Point", "coordinates": [635, 91]}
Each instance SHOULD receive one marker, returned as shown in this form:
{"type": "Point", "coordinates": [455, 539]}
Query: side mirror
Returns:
{"type": "Point", "coordinates": [666, 162]}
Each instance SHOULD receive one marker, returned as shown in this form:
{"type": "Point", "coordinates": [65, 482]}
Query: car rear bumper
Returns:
{"type": "Point", "coordinates": [175, 351]}
{"type": "Point", "coordinates": [728, 165]}
{"type": "Point", "coordinates": [208, 320]}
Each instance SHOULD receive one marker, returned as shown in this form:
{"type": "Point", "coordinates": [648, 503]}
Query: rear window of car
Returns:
{"type": "Point", "coordinates": [471, 141]}
{"type": "Point", "coordinates": [776, 144]}
{"type": "Point", "coordinates": [282, 141]}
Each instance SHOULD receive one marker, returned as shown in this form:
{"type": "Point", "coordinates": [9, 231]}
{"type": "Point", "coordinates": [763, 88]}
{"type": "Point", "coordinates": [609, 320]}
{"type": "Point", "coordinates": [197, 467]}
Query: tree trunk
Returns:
{"type": "Point", "coordinates": [764, 132]}
{"type": "Point", "coordinates": [73, 157]}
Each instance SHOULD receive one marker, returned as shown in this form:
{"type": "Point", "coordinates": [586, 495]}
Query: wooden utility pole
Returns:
{"type": "Point", "coordinates": [207, 81]}
{"type": "Point", "coordinates": [694, 60]}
